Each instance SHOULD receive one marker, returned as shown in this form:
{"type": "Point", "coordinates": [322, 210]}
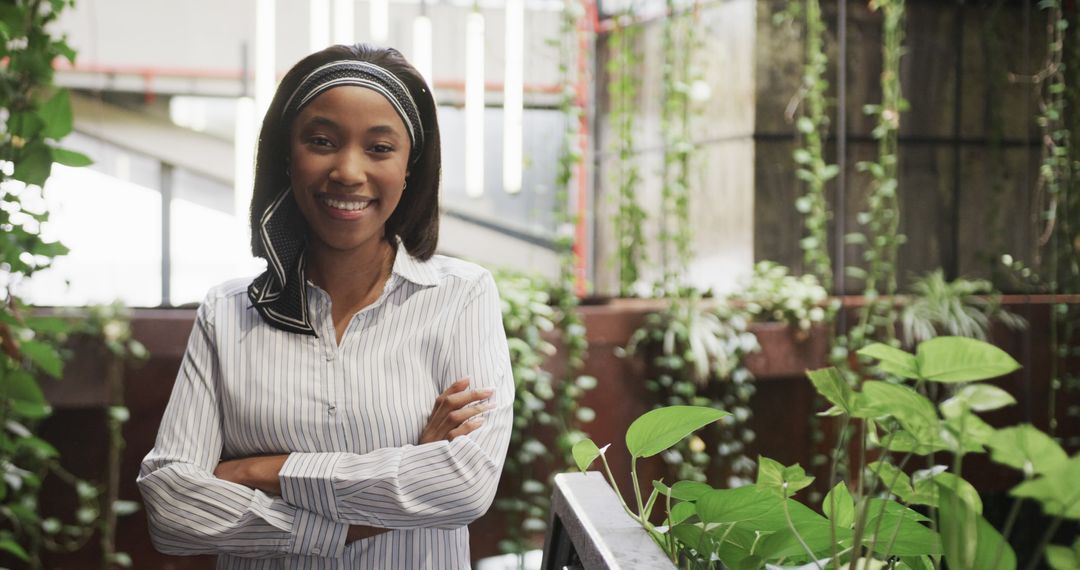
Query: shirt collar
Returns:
{"type": "Point", "coordinates": [420, 272]}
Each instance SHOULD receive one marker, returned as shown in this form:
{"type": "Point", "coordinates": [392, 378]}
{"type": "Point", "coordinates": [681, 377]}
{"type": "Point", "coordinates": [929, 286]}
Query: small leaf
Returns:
{"type": "Point", "coordinates": [839, 506]}
{"type": "Point", "coordinates": [1056, 490]}
{"type": "Point", "coordinates": [682, 511]}
{"type": "Point", "coordinates": [780, 480]}
{"type": "Point", "coordinates": [56, 112]}
{"type": "Point", "coordinates": [124, 508]}
{"type": "Point", "coordinates": [959, 359]}
{"type": "Point", "coordinates": [44, 356]}
{"type": "Point", "coordinates": [660, 429]}
{"type": "Point", "coordinates": [585, 452]}
{"type": "Point", "coordinates": [12, 547]}
{"type": "Point", "coordinates": [70, 157]}
{"type": "Point", "coordinates": [893, 360]}
{"type": "Point", "coordinates": [689, 490]}
{"type": "Point", "coordinates": [978, 398]}
{"type": "Point", "coordinates": [833, 387]}
{"type": "Point", "coordinates": [1026, 448]}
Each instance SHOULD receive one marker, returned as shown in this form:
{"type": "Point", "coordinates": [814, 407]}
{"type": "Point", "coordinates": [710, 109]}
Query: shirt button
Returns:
{"type": "Point", "coordinates": [332, 410]}
{"type": "Point", "coordinates": [316, 550]}
{"type": "Point", "coordinates": [329, 355]}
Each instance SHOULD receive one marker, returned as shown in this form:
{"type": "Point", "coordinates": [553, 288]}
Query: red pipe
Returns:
{"type": "Point", "coordinates": [586, 28]}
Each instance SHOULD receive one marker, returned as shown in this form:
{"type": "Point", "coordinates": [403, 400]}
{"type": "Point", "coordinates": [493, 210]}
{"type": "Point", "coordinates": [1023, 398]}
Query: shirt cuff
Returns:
{"type": "Point", "coordinates": [315, 535]}
{"type": "Point", "coordinates": [307, 482]}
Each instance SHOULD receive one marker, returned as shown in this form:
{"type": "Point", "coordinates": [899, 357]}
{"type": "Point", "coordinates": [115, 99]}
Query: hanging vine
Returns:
{"type": "Point", "coordinates": [881, 219]}
{"type": "Point", "coordinates": [683, 89]}
{"type": "Point", "coordinates": [813, 126]}
{"type": "Point", "coordinates": [629, 219]}
{"type": "Point", "coordinates": [1057, 202]}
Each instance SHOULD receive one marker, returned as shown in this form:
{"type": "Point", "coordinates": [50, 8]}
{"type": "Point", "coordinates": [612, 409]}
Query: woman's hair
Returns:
{"type": "Point", "coordinates": [416, 219]}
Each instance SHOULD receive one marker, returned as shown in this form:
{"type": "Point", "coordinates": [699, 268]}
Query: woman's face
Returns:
{"type": "Point", "coordinates": [349, 154]}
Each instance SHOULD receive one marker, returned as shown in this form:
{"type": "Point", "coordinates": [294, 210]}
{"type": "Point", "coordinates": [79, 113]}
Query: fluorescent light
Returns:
{"type": "Point", "coordinates": [265, 74]}
{"type": "Point", "coordinates": [512, 96]}
{"type": "Point", "coordinates": [380, 20]}
{"type": "Point", "coordinates": [474, 104]}
{"type": "Point", "coordinates": [421, 56]}
{"type": "Point", "coordinates": [319, 36]}
{"type": "Point", "coordinates": [344, 22]}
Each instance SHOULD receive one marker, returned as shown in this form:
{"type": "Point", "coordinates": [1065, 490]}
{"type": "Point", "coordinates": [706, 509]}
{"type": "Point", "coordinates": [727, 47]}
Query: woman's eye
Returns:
{"type": "Point", "coordinates": [320, 141]}
{"type": "Point", "coordinates": [382, 148]}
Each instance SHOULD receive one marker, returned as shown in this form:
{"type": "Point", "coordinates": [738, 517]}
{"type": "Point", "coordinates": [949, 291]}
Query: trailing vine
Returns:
{"type": "Point", "coordinates": [693, 355]}
{"type": "Point", "coordinates": [1054, 200]}
{"type": "Point", "coordinates": [881, 219]}
{"type": "Point", "coordinates": [813, 127]}
{"type": "Point", "coordinates": [629, 218]}
{"type": "Point", "coordinates": [545, 408]}
{"type": "Point", "coordinates": [36, 116]}
{"type": "Point", "coordinates": [682, 86]}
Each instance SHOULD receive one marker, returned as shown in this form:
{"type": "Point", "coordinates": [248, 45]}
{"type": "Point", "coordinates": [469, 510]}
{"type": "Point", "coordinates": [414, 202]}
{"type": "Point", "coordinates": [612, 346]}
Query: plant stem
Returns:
{"type": "Point", "coordinates": [637, 488]}
{"type": "Point", "coordinates": [832, 479]}
{"type": "Point", "coordinates": [791, 525]}
{"type": "Point", "coordinates": [1010, 520]}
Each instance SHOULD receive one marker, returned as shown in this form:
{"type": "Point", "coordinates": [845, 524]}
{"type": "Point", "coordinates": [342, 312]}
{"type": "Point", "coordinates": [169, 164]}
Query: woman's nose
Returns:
{"type": "Point", "coordinates": [350, 168]}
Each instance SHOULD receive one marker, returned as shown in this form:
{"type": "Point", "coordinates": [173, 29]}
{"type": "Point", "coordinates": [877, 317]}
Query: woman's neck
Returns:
{"type": "Point", "coordinates": [353, 278]}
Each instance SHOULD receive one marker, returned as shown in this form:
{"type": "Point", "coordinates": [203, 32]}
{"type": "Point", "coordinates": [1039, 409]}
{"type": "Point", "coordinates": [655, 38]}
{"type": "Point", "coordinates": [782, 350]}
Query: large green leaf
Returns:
{"type": "Point", "coordinates": [960, 359]}
{"type": "Point", "coordinates": [682, 511]}
{"type": "Point", "coordinates": [660, 429]}
{"type": "Point", "coordinates": [892, 360]}
{"type": "Point", "coordinates": [839, 506]}
{"type": "Point", "coordinates": [892, 479]}
{"type": "Point", "coordinates": [830, 384]}
{"type": "Point", "coordinates": [899, 530]}
{"type": "Point", "coordinates": [585, 452]}
{"type": "Point", "coordinates": [1026, 448]}
{"type": "Point", "coordinates": [816, 531]}
{"type": "Point", "coordinates": [56, 112]}
{"type": "Point", "coordinates": [1057, 490]}
{"type": "Point", "coordinates": [967, 431]}
{"type": "Point", "coordinates": [969, 541]}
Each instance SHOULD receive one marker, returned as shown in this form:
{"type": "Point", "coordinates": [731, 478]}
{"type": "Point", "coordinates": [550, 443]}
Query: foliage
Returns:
{"type": "Point", "coordinates": [694, 356]}
{"type": "Point", "coordinates": [882, 216]}
{"type": "Point", "coordinates": [544, 406]}
{"type": "Point", "coordinates": [813, 127]}
{"type": "Point", "coordinates": [771, 294]}
{"type": "Point", "coordinates": [35, 117]}
{"type": "Point", "coordinates": [683, 91]}
{"type": "Point", "coordinates": [962, 307]}
{"type": "Point", "coordinates": [629, 218]}
{"type": "Point", "coordinates": [888, 516]}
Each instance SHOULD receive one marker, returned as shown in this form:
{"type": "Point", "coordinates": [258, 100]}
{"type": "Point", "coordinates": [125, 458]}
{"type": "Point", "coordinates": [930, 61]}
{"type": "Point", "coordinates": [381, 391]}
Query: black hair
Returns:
{"type": "Point", "coordinates": [416, 219]}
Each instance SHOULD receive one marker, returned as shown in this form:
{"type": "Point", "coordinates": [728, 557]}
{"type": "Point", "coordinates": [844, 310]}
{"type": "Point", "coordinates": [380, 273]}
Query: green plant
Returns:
{"type": "Point", "coordinates": [35, 117]}
{"type": "Point", "coordinates": [771, 294]}
{"type": "Point", "coordinates": [682, 87]}
{"type": "Point", "coordinates": [881, 219]}
{"type": "Point", "coordinates": [962, 307]}
{"type": "Point", "coordinates": [887, 518]}
{"type": "Point", "coordinates": [629, 216]}
{"type": "Point", "coordinates": [694, 356]}
{"type": "Point", "coordinates": [813, 126]}
{"type": "Point", "coordinates": [543, 405]}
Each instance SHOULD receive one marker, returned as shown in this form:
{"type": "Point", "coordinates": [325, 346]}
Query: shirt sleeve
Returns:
{"type": "Point", "coordinates": [446, 484]}
{"type": "Point", "coordinates": [192, 512]}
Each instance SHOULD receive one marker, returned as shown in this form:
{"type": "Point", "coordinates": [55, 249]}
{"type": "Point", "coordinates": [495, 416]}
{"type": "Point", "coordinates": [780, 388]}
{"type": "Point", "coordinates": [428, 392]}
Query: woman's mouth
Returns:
{"type": "Point", "coordinates": [345, 208]}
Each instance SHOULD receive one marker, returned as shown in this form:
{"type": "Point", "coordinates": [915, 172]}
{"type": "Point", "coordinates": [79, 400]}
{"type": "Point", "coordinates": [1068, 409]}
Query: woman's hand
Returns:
{"type": "Point", "coordinates": [453, 415]}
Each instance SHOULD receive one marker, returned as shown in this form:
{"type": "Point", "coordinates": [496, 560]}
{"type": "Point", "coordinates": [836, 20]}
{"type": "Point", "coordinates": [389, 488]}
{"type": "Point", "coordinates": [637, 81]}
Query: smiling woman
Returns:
{"type": "Point", "coordinates": [351, 406]}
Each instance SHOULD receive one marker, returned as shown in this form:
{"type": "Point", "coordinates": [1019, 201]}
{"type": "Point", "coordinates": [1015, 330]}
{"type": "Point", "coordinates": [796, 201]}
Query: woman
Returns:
{"type": "Point", "coordinates": [351, 406]}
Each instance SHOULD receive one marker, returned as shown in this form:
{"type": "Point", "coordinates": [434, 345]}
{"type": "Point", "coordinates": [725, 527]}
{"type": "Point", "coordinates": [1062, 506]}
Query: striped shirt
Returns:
{"type": "Point", "coordinates": [348, 415]}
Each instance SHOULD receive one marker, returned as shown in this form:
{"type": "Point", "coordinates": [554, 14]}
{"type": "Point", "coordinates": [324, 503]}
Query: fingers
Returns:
{"type": "Point", "coordinates": [466, 428]}
{"type": "Point", "coordinates": [466, 397]}
{"type": "Point", "coordinates": [459, 416]}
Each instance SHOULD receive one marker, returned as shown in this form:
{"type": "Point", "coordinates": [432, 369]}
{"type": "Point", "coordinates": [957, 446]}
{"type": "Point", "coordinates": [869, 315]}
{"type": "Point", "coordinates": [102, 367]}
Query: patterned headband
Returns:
{"type": "Point", "coordinates": [362, 74]}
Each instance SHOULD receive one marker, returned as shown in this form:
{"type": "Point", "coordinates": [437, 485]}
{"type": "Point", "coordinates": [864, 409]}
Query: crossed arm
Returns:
{"type": "Point", "coordinates": [310, 504]}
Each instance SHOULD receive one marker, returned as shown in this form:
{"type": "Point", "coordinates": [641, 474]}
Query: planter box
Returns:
{"type": "Point", "coordinates": [589, 529]}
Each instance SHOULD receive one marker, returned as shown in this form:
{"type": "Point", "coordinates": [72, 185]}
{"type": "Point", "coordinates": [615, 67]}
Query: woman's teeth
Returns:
{"type": "Point", "coordinates": [350, 206]}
